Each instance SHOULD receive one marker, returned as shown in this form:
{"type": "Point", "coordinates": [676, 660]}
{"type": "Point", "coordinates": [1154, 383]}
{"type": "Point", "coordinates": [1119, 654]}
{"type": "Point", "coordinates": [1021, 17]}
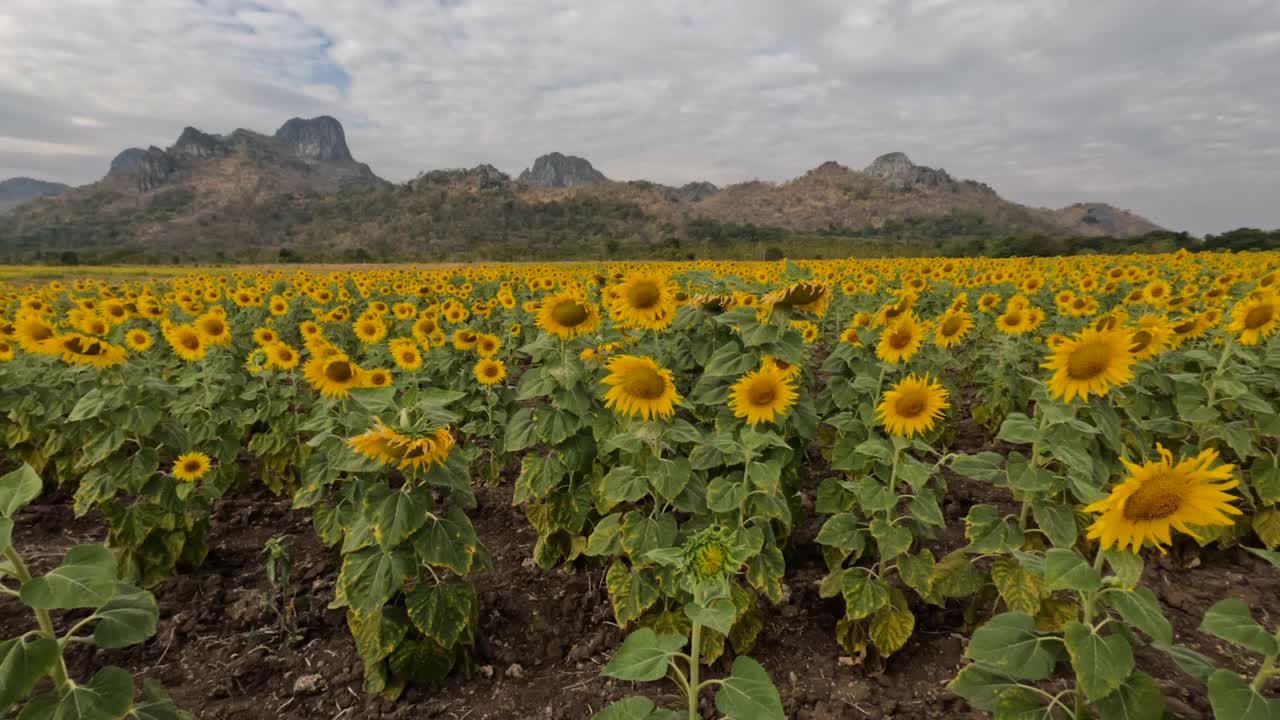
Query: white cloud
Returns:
{"type": "Point", "coordinates": [1164, 106]}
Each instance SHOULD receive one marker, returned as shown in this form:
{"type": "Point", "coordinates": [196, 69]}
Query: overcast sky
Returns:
{"type": "Point", "coordinates": [1170, 108]}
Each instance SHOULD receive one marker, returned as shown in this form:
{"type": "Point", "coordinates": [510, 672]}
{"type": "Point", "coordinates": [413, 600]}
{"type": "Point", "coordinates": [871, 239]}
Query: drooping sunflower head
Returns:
{"type": "Point", "coordinates": [638, 386]}
{"type": "Point", "coordinates": [912, 406]}
{"type": "Point", "coordinates": [762, 395]}
{"type": "Point", "coordinates": [488, 371]}
{"type": "Point", "coordinates": [1091, 362]}
{"type": "Point", "coordinates": [900, 339]}
{"type": "Point", "coordinates": [464, 338]}
{"type": "Point", "coordinates": [85, 350]}
{"type": "Point", "coordinates": [1161, 495]}
{"type": "Point", "coordinates": [191, 466]}
{"type": "Point", "coordinates": [567, 315]}
{"type": "Point", "coordinates": [806, 296]}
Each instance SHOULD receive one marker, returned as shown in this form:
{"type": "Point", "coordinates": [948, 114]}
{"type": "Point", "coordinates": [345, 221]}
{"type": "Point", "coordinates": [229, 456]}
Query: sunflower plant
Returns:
{"type": "Point", "coordinates": [111, 614]}
{"type": "Point", "coordinates": [703, 568]}
{"type": "Point", "coordinates": [391, 496]}
{"type": "Point", "coordinates": [1064, 606]}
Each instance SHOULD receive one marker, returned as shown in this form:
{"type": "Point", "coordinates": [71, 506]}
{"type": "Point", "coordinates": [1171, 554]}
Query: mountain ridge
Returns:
{"type": "Point", "coordinates": [209, 196]}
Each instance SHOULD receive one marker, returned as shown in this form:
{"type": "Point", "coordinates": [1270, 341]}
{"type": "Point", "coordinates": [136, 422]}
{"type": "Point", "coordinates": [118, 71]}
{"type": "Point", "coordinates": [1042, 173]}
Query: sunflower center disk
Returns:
{"type": "Point", "coordinates": [1259, 316]}
{"type": "Point", "coordinates": [645, 383]}
{"type": "Point", "coordinates": [900, 338]}
{"type": "Point", "coordinates": [1088, 361]}
{"type": "Point", "coordinates": [951, 326]}
{"type": "Point", "coordinates": [763, 393]}
{"type": "Point", "coordinates": [1141, 340]}
{"type": "Point", "coordinates": [569, 313]}
{"type": "Point", "coordinates": [1159, 497]}
{"type": "Point", "coordinates": [338, 371]}
{"type": "Point", "coordinates": [644, 295]}
{"type": "Point", "coordinates": [911, 404]}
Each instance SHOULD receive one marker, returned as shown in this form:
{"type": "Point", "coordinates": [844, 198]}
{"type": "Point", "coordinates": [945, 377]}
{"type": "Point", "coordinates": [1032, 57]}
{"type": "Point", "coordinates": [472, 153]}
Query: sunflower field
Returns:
{"type": "Point", "coordinates": [690, 433]}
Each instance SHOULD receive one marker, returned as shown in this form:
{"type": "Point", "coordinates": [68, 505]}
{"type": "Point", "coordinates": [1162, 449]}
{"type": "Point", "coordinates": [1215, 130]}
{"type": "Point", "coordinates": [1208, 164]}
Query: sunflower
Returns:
{"type": "Point", "coordinates": [137, 339]}
{"type": "Point", "coordinates": [265, 336]}
{"type": "Point", "coordinates": [403, 448]}
{"type": "Point", "coordinates": [1255, 317]}
{"type": "Point", "coordinates": [377, 377]}
{"type": "Point", "coordinates": [6, 351]}
{"type": "Point", "coordinates": [464, 339]}
{"type": "Point", "coordinates": [278, 305]}
{"type": "Point", "coordinates": [761, 395]}
{"type": "Point", "coordinates": [912, 405]}
{"type": "Point", "coordinates": [333, 376]}
{"type": "Point", "coordinates": [789, 370]}
{"type": "Point", "coordinates": [1160, 495]}
{"type": "Point", "coordinates": [638, 386]}
{"type": "Point", "coordinates": [952, 327]}
{"type": "Point", "coordinates": [1017, 319]}
{"type": "Point", "coordinates": [281, 356]}
{"type": "Point", "coordinates": [489, 371]}
{"type": "Point", "coordinates": [85, 350]}
{"type": "Point", "coordinates": [900, 339]}
{"type": "Point", "coordinates": [185, 341]}
{"type": "Point", "coordinates": [1152, 335]}
{"type": "Point", "coordinates": [1092, 361]}
{"type": "Point", "coordinates": [642, 300]}
{"type": "Point", "coordinates": [191, 466]}
{"type": "Point", "coordinates": [407, 357]}
{"type": "Point", "coordinates": [806, 296]}
{"type": "Point", "coordinates": [567, 315]}
{"type": "Point", "coordinates": [213, 329]}
{"type": "Point", "coordinates": [369, 330]}
{"type": "Point", "coordinates": [850, 335]}
{"type": "Point", "coordinates": [487, 345]}
{"type": "Point", "coordinates": [32, 333]}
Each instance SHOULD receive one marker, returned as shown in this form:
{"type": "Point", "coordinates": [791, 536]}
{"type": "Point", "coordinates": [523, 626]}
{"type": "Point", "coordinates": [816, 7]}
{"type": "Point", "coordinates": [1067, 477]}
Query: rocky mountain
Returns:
{"type": "Point", "coordinates": [556, 170]}
{"type": "Point", "coordinates": [245, 196]}
{"type": "Point", "coordinates": [19, 190]}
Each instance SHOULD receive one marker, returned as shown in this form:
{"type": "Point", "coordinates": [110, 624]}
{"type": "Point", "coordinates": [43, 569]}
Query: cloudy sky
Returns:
{"type": "Point", "coordinates": [1167, 107]}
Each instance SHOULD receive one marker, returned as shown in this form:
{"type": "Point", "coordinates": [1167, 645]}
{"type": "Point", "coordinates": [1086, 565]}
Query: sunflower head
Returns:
{"type": "Point", "coordinates": [1256, 317]}
{"type": "Point", "coordinates": [639, 386]}
{"type": "Point", "coordinates": [1091, 362]}
{"type": "Point", "coordinates": [643, 300]}
{"type": "Point", "coordinates": [1161, 495]}
{"type": "Point", "coordinates": [806, 296]}
{"type": "Point", "coordinates": [191, 466]}
{"type": "Point", "coordinates": [912, 406]}
{"type": "Point", "coordinates": [762, 395]}
{"type": "Point", "coordinates": [900, 339]}
{"type": "Point", "coordinates": [137, 339]}
{"type": "Point", "coordinates": [488, 371]}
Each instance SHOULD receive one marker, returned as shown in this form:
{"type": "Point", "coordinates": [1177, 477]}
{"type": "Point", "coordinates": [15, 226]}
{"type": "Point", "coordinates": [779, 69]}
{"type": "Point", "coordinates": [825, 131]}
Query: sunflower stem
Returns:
{"type": "Point", "coordinates": [1267, 670]}
{"type": "Point", "coordinates": [58, 674]}
{"type": "Point", "coordinates": [695, 644]}
{"type": "Point", "coordinates": [1217, 372]}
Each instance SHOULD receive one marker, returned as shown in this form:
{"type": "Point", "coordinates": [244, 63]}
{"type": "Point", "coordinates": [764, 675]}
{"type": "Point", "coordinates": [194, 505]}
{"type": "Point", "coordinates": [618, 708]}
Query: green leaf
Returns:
{"type": "Point", "coordinates": [22, 663]}
{"type": "Point", "coordinates": [1268, 555]}
{"type": "Point", "coordinates": [444, 612]}
{"type": "Point", "coordinates": [765, 571]}
{"type": "Point", "coordinates": [985, 466]}
{"type": "Point", "coordinates": [644, 655]}
{"type": "Point", "coordinates": [917, 571]}
{"type": "Point", "coordinates": [606, 538]}
{"type": "Point", "coordinates": [632, 708]}
{"type": "Point", "coordinates": [1101, 663]}
{"type": "Point", "coordinates": [1192, 663]}
{"type": "Point", "coordinates": [1231, 697]}
{"type": "Point", "coordinates": [749, 694]}
{"type": "Point", "coordinates": [6, 533]}
{"type": "Point", "coordinates": [106, 697]}
{"type": "Point", "coordinates": [371, 576]}
{"type": "Point", "coordinates": [85, 579]}
{"type": "Point", "coordinates": [624, 483]}
{"type": "Point", "coordinates": [399, 515]}
{"type": "Point", "coordinates": [630, 592]}
{"type": "Point", "coordinates": [891, 540]}
{"type": "Point", "coordinates": [1141, 609]}
{"type": "Point", "coordinates": [1057, 520]}
{"type": "Point", "coordinates": [1139, 698]}
{"type": "Point", "coordinates": [988, 532]}
{"type": "Point", "coordinates": [1008, 644]}
{"type": "Point", "coordinates": [17, 489]}
{"type": "Point", "coordinates": [876, 448]}
{"type": "Point", "coordinates": [1018, 428]}
{"type": "Point", "coordinates": [641, 533]}
{"type": "Point", "coordinates": [1266, 523]}
{"type": "Point", "coordinates": [1067, 570]}
{"type": "Point", "coordinates": [1019, 587]}
{"type": "Point", "coordinates": [981, 686]}
{"type": "Point", "coordinates": [422, 661]}
{"type": "Point", "coordinates": [1022, 704]}
{"type": "Point", "coordinates": [1126, 565]}
{"type": "Point", "coordinates": [520, 433]}
{"type": "Point", "coordinates": [128, 618]}
{"type": "Point", "coordinates": [1232, 621]}
{"type": "Point", "coordinates": [718, 615]}
{"type": "Point", "coordinates": [842, 531]}
{"type": "Point", "coordinates": [448, 542]}
{"type": "Point", "coordinates": [891, 626]}
{"type": "Point", "coordinates": [863, 594]}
